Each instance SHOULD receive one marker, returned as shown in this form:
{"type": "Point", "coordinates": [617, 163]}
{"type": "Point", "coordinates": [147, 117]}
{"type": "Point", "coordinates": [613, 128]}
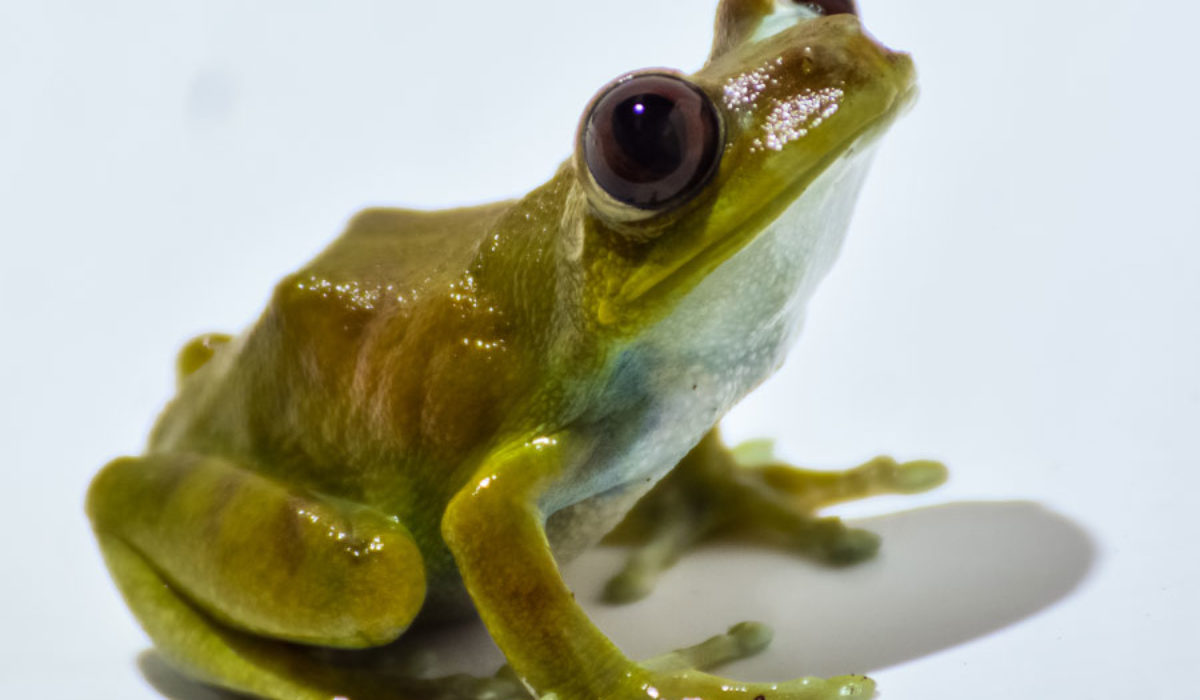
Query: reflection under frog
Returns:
{"type": "Point", "coordinates": [442, 405]}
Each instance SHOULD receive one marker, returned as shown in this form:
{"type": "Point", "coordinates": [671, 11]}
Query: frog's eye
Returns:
{"type": "Point", "coordinates": [652, 140]}
{"type": "Point", "coordinates": [830, 7]}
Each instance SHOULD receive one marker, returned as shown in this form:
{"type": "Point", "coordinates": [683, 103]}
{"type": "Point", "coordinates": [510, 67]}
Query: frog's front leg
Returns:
{"type": "Point", "coordinates": [495, 529]}
{"type": "Point", "coordinates": [715, 490]}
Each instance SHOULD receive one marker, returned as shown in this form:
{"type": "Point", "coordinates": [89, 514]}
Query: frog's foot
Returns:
{"type": "Point", "coordinates": [679, 673]}
{"type": "Point", "coordinates": [694, 684]}
{"type": "Point", "coordinates": [716, 491]}
{"type": "Point", "coordinates": [740, 641]}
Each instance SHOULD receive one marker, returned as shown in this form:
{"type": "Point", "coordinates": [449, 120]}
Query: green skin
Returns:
{"type": "Point", "coordinates": [443, 405]}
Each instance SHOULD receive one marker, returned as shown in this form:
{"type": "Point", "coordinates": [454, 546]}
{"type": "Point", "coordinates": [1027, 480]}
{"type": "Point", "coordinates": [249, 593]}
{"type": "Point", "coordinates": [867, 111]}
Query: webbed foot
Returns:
{"type": "Point", "coordinates": [745, 491]}
{"type": "Point", "coordinates": [681, 673]}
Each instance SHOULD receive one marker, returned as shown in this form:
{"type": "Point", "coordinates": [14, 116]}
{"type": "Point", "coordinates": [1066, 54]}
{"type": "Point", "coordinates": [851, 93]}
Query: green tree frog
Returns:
{"type": "Point", "coordinates": [442, 406]}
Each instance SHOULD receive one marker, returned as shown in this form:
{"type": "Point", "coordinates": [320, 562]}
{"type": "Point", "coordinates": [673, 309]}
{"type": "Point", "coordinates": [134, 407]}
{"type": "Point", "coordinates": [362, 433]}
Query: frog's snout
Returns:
{"type": "Point", "coordinates": [841, 23]}
{"type": "Point", "coordinates": [903, 66]}
{"type": "Point", "coordinates": [849, 29]}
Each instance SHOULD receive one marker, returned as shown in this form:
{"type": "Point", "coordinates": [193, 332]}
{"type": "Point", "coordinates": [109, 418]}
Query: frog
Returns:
{"type": "Point", "coordinates": [444, 407]}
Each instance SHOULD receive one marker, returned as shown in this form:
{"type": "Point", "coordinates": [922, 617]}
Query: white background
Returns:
{"type": "Point", "coordinates": [1020, 296]}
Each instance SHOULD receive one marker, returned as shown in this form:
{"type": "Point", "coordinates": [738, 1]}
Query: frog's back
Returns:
{"type": "Point", "coordinates": [340, 360]}
{"type": "Point", "coordinates": [405, 249]}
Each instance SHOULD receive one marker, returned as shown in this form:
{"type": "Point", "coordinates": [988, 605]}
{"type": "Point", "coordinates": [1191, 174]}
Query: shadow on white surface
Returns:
{"type": "Point", "coordinates": [946, 575]}
{"type": "Point", "coordinates": [172, 684]}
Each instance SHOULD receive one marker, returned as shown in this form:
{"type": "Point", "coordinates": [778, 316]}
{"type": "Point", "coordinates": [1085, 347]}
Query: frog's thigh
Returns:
{"type": "Point", "coordinates": [203, 649]}
{"type": "Point", "coordinates": [258, 556]}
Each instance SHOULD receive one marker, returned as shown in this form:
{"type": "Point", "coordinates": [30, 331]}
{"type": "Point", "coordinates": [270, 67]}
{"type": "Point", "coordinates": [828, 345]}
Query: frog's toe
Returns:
{"type": "Point", "coordinates": [672, 526]}
{"type": "Point", "coordinates": [750, 637]}
{"type": "Point", "coordinates": [812, 489]}
{"type": "Point", "coordinates": [851, 546]}
{"type": "Point", "coordinates": [919, 475]}
{"type": "Point", "coordinates": [853, 686]}
{"type": "Point", "coordinates": [628, 586]}
{"type": "Point", "coordinates": [836, 688]}
{"type": "Point", "coordinates": [738, 642]}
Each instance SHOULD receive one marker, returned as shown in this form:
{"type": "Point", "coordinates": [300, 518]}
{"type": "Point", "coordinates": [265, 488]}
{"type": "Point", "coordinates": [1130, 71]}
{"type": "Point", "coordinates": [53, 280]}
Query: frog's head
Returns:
{"type": "Point", "coordinates": [679, 173]}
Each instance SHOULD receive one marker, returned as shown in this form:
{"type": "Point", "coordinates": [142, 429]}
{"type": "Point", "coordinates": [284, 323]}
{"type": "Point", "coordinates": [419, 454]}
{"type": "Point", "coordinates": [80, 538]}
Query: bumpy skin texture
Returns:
{"type": "Point", "coordinates": [441, 402]}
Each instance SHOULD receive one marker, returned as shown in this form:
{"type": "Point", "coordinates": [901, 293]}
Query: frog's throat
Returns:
{"type": "Point", "coordinates": [649, 286]}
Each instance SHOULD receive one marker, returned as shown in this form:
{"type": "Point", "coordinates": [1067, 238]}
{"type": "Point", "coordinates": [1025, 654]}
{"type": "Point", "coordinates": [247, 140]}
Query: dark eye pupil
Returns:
{"type": "Point", "coordinates": [649, 145]}
{"type": "Point", "coordinates": [652, 140]}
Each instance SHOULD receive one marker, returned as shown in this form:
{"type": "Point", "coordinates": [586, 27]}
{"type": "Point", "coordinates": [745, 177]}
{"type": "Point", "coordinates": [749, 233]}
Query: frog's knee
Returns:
{"type": "Point", "coordinates": [377, 588]}
{"type": "Point", "coordinates": [309, 571]}
{"type": "Point", "coordinates": [99, 502]}
{"type": "Point", "coordinates": [197, 352]}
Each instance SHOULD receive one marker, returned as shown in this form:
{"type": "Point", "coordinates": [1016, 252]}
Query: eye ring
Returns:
{"type": "Point", "coordinates": [652, 140]}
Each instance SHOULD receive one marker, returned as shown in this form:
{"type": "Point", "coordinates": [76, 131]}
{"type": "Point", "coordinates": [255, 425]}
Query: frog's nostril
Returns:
{"type": "Point", "coordinates": [830, 7]}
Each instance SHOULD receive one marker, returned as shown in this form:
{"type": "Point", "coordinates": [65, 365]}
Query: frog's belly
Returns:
{"type": "Point", "coordinates": [638, 446]}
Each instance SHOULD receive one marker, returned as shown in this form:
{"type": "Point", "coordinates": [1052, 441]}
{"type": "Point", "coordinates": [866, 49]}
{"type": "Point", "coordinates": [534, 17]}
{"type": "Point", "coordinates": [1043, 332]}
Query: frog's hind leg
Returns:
{"type": "Point", "coordinates": [715, 490]}
{"type": "Point", "coordinates": [246, 584]}
{"type": "Point", "coordinates": [205, 650]}
{"type": "Point", "coordinates": [213, 653]}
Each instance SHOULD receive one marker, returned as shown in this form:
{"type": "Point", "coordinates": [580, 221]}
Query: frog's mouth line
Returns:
{"type": "Point", "coordinates": [707, 258]}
